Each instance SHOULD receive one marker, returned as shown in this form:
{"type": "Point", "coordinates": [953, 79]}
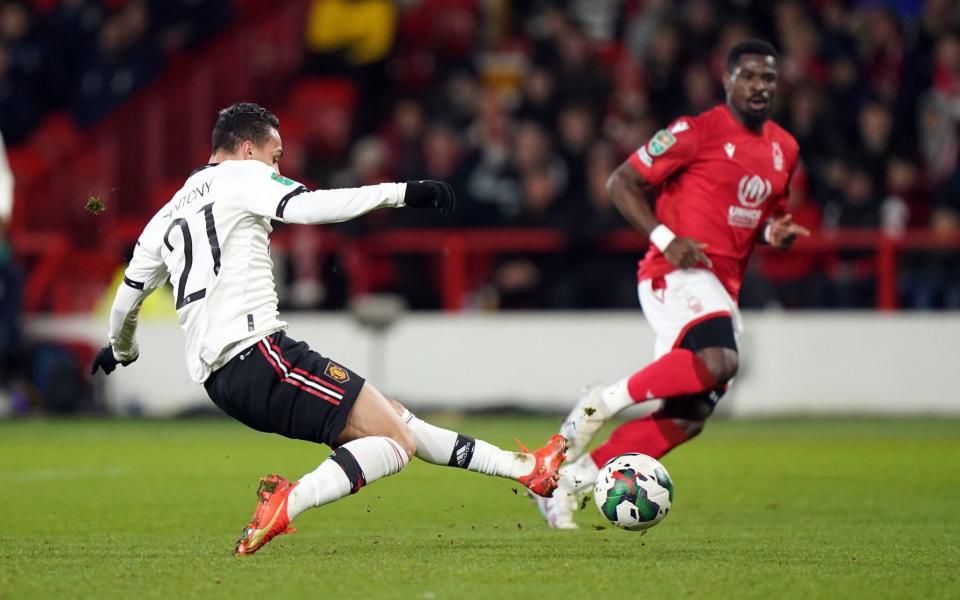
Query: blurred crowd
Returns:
{"type": "Point", "coordinates": [84, 58]}
{"type": "Point", "coordinates": [526, 107]}
{"type": "Point", "coordinates": [88, 56]}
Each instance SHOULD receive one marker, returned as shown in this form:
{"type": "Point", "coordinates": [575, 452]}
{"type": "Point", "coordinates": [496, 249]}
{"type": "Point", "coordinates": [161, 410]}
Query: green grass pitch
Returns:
{"type": "Point", "coordinates": [783, 509]}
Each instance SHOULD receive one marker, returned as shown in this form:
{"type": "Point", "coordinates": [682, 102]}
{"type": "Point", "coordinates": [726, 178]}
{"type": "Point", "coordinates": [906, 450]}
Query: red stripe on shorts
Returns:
{"type": "Point", "coordinates": [294, 382]}
{"type": "Point", "coordinates": [307, 374]}
{"type": "Point", "coordinates": [318, 380]}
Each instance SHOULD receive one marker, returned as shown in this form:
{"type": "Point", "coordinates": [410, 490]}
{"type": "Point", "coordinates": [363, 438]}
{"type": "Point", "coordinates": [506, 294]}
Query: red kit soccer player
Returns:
{"type": "Point", "coordinates": [722, 179]}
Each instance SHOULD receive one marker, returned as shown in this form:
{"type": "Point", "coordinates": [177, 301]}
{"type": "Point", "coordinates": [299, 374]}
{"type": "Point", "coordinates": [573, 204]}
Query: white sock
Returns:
{"type": "Point", "coordinates": [444, 447]}
{"type": "Point", "coordinates": [345, 471]}
{"type": "Point", "coordinates": [491, 460]}
{"type": "Point", "coordinates": [579, 477]}
{"type": "Point", "coordinates": [434, 444]}
{"type": "Point", "coordinates": [614, 398]}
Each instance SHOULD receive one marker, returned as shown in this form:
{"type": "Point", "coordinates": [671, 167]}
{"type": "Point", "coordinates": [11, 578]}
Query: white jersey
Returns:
{"type": "Point", "coordinates": [211, 242]}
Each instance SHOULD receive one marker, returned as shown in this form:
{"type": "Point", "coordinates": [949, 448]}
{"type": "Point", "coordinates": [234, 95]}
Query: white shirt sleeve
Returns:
{"type": "Point", "coordinates": [268, 194]}
{"type": "Point", "coordinates": [334, 206]}
{"type": "Point", "coordinates": [145, 273]}
{"type": "Point", "coordinates": [6, 186]}
{"type": "Point", "coordinates": [265, 192]}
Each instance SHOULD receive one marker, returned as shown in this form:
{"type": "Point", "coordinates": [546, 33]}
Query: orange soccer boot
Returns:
{"type": "Point", "coordinates": [270, 519]}
{"type": "Point", "coordinates": [543, 479]}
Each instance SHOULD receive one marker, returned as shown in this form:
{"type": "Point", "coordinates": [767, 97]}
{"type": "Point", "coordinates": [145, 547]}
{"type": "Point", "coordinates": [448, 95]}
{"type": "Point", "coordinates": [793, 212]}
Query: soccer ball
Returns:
{"type": "Point", "coordinates": [633, 491]}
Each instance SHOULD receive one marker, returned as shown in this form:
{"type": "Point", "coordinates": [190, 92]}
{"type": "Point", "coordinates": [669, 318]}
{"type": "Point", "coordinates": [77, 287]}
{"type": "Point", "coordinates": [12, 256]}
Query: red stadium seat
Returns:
{"type": "Point", "coordinates": [29, 169]}
{"type": "Point", "coordinates": [27, 165]}
{"type": "Point", "coordinates": [322, 92]}
{"type": "Point", "coordinates": [56, 137]}
{"type": "Point", "coordinates": [325, 108]}
{"type": "Point", "coordinates": [82, 281]}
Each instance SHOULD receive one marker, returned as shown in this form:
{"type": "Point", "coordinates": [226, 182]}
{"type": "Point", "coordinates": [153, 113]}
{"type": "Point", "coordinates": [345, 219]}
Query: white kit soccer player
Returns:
{"type": "Point", "coordinates": [211, 241]}
{"type": "Point", "coordinates": [215, 235]}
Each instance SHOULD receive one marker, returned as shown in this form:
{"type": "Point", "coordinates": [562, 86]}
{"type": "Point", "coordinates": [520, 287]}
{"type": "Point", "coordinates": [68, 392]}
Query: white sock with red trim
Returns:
{"type": "Point", "coordinates": [349, 468]}
{"type": "Point", "coordinates": [448, 448]}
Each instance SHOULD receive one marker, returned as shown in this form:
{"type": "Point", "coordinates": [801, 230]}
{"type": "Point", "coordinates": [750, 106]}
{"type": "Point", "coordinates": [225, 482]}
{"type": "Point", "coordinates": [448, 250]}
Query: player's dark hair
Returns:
{"type": "Point", "coordinates": [750, 47]}
{"type": "Point", "coordinates": [240, 122]}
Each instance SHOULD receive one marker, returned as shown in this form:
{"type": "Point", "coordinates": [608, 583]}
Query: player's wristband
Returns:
{"type": "Point", "coordinates": [766, 233]}
{"type": "Point", "coordinates": [661, 236]}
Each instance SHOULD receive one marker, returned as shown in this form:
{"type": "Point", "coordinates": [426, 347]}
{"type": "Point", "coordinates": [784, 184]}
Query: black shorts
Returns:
{"type": "Point", "coordinates": [280, 385]}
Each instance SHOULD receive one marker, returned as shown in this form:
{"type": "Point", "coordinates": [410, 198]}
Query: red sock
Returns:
{"type": "Point", "coordinates": [652, 435]}
{"type": "Point", "coordinates": [679, 372]}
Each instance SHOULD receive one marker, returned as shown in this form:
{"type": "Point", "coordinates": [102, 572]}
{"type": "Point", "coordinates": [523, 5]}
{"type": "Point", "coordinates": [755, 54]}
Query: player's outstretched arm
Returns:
{"type": "Point", "coordinates": [436, 195]}
{"type": "Point", "coordinates": [334, 206]}
{"type": "Point", "coordinates": [629, 189]}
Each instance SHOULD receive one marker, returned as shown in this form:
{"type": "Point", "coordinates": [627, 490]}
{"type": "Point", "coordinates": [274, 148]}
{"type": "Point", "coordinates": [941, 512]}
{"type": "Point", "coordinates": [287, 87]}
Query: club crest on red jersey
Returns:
{"type": "Point", "coordinates": [777, 157]}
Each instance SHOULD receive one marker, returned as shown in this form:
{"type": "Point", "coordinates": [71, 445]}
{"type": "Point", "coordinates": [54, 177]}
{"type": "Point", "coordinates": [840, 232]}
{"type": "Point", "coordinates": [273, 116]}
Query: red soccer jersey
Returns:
{"type": "Point", "coordinates": [719, 183]}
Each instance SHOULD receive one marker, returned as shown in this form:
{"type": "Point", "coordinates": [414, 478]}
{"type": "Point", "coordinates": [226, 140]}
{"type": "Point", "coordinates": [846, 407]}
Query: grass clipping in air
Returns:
{"type": "Point", "coordinates": [95, 205]}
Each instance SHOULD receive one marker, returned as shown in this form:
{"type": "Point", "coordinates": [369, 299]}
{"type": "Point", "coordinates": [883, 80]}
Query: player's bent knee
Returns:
{"type": "Point", "coordinates": [397, 407]}
{"type": "Point", "coordinates": [406, 439]}
{"type": "Point", "coordinates": [714, 333]}
{"type": "Point", "coordinates": [691, 427]}
{"type": "Point", "coordinates": [698, 407]}
{"type": "Point", "coordinates": [722, 363]}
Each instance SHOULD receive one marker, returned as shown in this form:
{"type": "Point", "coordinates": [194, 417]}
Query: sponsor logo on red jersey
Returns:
{"type": "Point", "coordinates": [751, 193]}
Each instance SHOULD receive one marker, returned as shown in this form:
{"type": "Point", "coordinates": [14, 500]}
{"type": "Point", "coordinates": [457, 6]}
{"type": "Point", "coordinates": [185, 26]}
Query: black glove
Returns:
{"type": "Point", "coordinates": [106, 361]}
{"type": "Point", "coordinates": [430, 194]}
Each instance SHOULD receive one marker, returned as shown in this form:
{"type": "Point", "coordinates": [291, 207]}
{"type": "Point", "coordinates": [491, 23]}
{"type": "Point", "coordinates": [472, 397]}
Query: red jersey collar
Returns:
{"type": "Point", "coordinates": [764, 133]}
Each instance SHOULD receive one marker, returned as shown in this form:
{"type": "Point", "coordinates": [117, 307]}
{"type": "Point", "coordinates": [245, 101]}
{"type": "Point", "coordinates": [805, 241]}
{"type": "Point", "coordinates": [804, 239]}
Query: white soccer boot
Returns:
{"type": "Point", "coordinates": [576, 480]}
{"type": "Point", "coordinates": [583, 422]}
{"type": "Point", "coordinates": [557, 510]}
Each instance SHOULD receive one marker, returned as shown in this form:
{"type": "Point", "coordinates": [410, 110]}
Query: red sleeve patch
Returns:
{"type": "Point", "coordinates": [668, 151]}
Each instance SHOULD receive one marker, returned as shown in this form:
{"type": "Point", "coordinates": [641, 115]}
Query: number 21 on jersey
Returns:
{"type": "Point", "coordinates": [203, 260]}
